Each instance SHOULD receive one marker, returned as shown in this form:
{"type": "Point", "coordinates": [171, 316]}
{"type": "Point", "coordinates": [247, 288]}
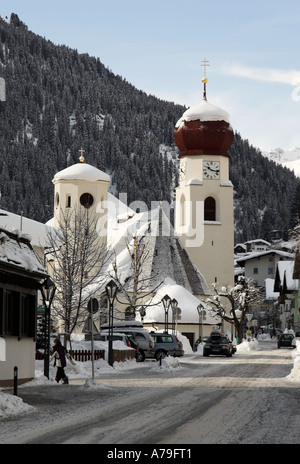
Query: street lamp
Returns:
{"type": "Point", "coordinates": [48, 291]}
{"type": "Point", "coordinates": [111, 292]}
{"type": "Point", "coordinates": [166, 301]}
{"type": "Point", "coordinates": [202, 314]}
{"type": "Point", "coordinates": [142, 311]}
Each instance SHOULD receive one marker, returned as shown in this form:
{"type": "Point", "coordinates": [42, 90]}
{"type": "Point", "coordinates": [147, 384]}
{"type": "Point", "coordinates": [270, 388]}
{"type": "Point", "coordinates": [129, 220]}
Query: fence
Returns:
{"type": "Point", "coordinates": [86, 355]}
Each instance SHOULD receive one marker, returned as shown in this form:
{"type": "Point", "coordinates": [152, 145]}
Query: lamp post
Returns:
{"type": "Point", "coordinates": [166, 301]}
{"type": "Point", "coordinates": [111, 292]}
{"type": "Point", "coordinates": [93, 307]}
{"type": "Point", "coordinates": [48, 291]}
{"type": "Point", "coordinates": [202, 314]}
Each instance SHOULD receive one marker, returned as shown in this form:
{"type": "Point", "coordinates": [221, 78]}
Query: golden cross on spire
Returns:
{"type": "Point", "coordinates": [81, 159]}
{"type": "Point", "coordinates": [204, 63]}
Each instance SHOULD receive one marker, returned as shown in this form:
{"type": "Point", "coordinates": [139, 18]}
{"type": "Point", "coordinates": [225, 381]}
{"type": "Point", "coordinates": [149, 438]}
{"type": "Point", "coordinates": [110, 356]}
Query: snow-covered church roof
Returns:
{"type": "Point", "coordinates": [166, 255]}
{"type": "Point", "coordinates": [81, 171]}
{"type": "Point", "coordinates": [203, 112]}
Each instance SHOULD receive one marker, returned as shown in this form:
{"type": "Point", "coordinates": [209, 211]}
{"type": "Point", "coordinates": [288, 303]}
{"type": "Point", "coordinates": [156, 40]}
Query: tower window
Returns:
{"type": "Point", "coordinates": [68, 201]}
{"type": "Point", "coordinates": [56, 200]}
{"type": "Point", "coordinates": [86, 200]}
{"type": "Point", "coordinates": [209, 209]}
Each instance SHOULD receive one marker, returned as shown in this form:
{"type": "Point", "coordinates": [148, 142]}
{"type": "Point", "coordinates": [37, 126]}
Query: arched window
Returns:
{"type": "Point", "coordinates": [56, 200]}
{"type": "Point", "coordinates": [209, 209]}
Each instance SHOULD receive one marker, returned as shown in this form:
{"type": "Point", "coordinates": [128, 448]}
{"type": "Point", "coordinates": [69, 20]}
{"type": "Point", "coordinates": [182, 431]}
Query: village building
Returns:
{"type": "Point", "coordinates": [261, 265]}
{"type": "Point", "coordinates": [21, 276]}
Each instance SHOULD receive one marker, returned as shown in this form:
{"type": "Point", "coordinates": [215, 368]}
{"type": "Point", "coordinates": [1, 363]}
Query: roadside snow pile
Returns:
{"type": "Point", "coordinates": [12, 406]}
{"type": "Point", "coordinates": [248, 346]}
{"type": "Point", "coordinates": [200, 349]}
{"type": "Point", "coordinates": [169, 362]}
{"type": "Point", "coordinates": [295, 372]}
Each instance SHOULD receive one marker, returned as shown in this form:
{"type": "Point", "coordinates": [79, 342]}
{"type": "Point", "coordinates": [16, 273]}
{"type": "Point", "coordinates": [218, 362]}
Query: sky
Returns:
{"type": "Point", "coordinates": [252, 48]}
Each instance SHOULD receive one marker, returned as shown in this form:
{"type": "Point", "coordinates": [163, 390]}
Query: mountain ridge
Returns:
{"type": "Point", "coordinates": [58, 101]}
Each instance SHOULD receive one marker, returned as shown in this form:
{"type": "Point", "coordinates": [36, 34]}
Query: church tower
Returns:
{"type": "Point", "coordinates": [81, 185]}
{"type": "Point", "coordinates": [204, 199]}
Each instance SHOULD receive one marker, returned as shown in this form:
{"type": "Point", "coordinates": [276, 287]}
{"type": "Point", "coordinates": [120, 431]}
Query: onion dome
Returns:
{"type": "Point", "coordinates": [204, 129]}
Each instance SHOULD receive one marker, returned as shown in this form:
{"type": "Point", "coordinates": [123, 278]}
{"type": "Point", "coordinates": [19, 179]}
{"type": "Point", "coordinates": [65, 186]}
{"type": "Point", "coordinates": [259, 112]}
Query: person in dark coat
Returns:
{"type": "Point", "coordinates": [59, 355]}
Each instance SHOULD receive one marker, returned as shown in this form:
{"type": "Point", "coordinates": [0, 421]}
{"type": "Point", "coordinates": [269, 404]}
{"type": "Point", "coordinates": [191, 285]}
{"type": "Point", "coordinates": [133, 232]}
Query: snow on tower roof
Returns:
{"type": "Point", "coordinates": [81, 171]}
{"type": "Point", "coordinates": [204, 112]}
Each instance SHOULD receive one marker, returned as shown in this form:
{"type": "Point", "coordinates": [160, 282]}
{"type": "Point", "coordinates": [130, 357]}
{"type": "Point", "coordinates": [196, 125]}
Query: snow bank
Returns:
{"type": "Point", "coordinates": [11, 405]}
{"type": "Point", "coordinates": [169, 362]}
{"type": "Point", "coordinates": [295, 372]}
{"type": "Point", "coordinates": [248, 346]}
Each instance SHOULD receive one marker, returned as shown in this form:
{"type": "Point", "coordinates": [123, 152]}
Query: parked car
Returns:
{"type": "Point", "coordinates": [166, 344]}
{"type": "Point", "coordinates": [137, 332]}
{"type": "Point", "coordinates": [218, 344]}
{"type": "Point", "coordinates": [286, 339]}
{"type": "Point", "coordinates": [127, 339]}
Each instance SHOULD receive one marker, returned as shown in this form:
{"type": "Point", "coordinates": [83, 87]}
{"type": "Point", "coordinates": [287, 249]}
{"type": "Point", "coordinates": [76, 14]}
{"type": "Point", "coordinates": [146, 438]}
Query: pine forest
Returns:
{"type": "Point", "coordinates": [58, 101]}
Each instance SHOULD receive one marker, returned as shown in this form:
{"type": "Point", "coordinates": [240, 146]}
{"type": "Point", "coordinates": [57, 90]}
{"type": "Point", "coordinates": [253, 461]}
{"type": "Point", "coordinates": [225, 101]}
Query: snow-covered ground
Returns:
{"type": "Point", "coordinates": [11, 405]}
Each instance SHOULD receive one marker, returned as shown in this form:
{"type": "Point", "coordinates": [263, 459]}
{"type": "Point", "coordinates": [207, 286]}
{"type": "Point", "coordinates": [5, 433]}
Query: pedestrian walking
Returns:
{"type": "Point", "coordinates": [59, 355]}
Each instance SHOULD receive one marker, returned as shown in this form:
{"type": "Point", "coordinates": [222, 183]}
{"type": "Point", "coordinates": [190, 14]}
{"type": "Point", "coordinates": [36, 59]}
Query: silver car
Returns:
{"type": "Point", "coordinates": [166, 344]}
{"type": "Point", "coordinates": [135, 330]}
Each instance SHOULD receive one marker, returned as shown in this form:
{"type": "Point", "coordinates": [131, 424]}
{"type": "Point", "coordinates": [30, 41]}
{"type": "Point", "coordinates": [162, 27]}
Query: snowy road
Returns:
{"type": "Point", "coordinates": [243, 399]}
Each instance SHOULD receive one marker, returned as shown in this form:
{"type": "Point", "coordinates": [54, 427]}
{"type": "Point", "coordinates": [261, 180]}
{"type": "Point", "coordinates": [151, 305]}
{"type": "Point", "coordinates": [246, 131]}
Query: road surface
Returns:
{"type": "Point", "coordinates": [246, 399]}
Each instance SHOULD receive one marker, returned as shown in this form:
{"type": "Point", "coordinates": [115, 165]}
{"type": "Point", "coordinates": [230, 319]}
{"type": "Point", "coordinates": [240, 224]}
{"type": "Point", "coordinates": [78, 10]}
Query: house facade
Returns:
{"type": "Point", "coordinates": [21, 275]}
{"type": "Point", "coordinates": [262, 265]}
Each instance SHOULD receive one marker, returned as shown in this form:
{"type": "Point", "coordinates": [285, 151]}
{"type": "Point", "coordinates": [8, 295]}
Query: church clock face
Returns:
{"type": "Point", "coordinates": [211, 170]}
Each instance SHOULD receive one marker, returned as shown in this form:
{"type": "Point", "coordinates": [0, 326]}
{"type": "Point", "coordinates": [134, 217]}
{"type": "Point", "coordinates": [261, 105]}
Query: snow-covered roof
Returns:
{"type": "Point", "coordinates": [259, 254]}
{"type": "Point", "coordinates": [16, 252]}
{"type": "Point", "coordinates": [258, 240]}
{"type": "Point", "coordinates": [204, 112]}
{"type": "Point", "coordinates": [36, 231]}
{"type": "Point", "coordinates": [166, 256]}
{"type": "Point", "coordinates": [285, 274]}
{"type": "Point", "coordinates": [81, 171]}
{"type": "Point", "coordinates": [269, 290]}
{"type": "Point", "coordinates": [186, 302]}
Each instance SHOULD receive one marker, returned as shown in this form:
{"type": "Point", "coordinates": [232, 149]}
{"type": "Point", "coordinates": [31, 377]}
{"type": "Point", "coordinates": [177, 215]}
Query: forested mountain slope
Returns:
{"type": "Point", "coordinates": [58, 101]}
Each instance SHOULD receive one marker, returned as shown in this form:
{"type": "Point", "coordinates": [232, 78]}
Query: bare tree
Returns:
{"type": "Point", "coordinates": [241, 297]}
{"type": "Point", "coordinates": [77, 260]}
{"type": "Point", "coordinates": [140, 283]}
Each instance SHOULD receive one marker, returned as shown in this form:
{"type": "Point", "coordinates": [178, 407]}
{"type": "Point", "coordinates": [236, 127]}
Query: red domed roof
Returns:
{"type": "Point", "coordinates": [204, 129]}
